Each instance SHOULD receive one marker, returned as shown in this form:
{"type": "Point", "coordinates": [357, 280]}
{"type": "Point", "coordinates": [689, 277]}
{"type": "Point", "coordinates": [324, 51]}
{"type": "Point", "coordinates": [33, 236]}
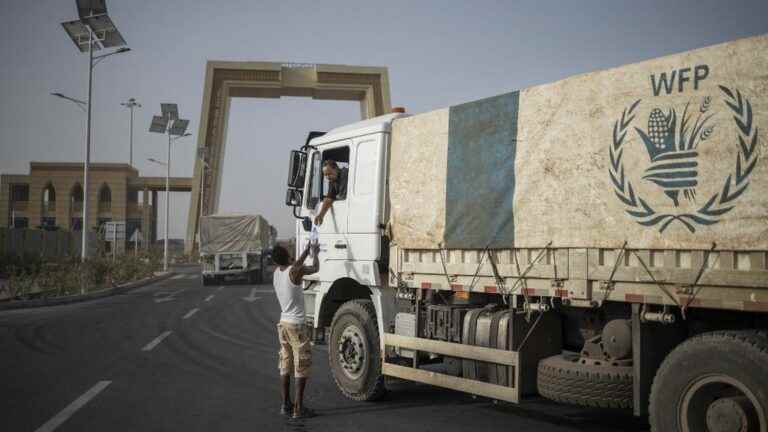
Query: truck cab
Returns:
{"type": "Point", "coordinates": [352, 242]}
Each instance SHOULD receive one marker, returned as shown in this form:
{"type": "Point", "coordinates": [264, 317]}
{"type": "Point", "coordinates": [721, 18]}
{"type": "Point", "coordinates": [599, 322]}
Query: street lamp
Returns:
{"type": "Point", "coordinates": [80, 104]}
{"type": "Point", "coordinates": [168, 123]}
{"type": "Point", "coordinates": [131, 104]}
{"type": "Point", "coordinates": [93, 31]}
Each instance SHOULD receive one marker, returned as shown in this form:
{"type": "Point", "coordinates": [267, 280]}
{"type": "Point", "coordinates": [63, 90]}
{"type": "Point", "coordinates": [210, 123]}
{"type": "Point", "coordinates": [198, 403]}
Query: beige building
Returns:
{"type": "Point", "coordinates": [51, 197]}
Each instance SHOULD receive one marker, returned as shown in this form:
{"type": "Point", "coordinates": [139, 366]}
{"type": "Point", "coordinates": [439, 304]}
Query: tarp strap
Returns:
{"type": "Point", "coordinates": [500, 285]}
{"type": "Point", "coordinates": [521, 277]}
{"type": "Point", "coordinates": [698, 278]}
{"type": "Point", "coordinates": [661, 287]}
{"type": "Point", "coordinates": [475, 279]}
{"type": "Point", "coordinates": [609, 282]}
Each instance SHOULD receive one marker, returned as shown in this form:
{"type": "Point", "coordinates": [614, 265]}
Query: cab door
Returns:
{"type": "Point", "coordinates": [364, 194]}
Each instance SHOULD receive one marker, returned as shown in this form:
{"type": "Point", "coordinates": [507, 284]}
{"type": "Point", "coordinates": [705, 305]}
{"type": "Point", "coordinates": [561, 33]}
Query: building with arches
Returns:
{"type": "Point", "coordinates": [51, 197]}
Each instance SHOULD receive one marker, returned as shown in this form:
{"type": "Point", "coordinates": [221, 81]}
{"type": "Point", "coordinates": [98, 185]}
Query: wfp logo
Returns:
{"type": "Point", "coordinates": [672, 149]}
{"type": "Point", "coordinates": [672, 141]}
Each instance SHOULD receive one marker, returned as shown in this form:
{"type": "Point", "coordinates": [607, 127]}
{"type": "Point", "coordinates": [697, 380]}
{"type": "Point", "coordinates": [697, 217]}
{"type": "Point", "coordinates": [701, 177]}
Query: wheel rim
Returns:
{"type": "Point", "coordinates": [720, 403]}
{"type": "Point", "coordinates": [352, 352]}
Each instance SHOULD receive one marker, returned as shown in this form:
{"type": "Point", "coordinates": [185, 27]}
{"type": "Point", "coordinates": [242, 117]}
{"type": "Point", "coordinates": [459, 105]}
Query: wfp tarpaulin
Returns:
{"type": "Point", "coordinates": [667, 153]}
{"type": "Point", "coordinates": [235, 233]}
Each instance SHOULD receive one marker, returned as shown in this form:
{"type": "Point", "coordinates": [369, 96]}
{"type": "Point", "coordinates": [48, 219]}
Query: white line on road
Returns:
{"type": "Point", "coordinates": [67, 412]}
{"type": "Point", "coordinates": [168, 296]}
{"type": "Point", "coordinates": [164, 299]}
{"type": "Point", "coordinates": [156, 341]}
{"type": "Point", "coordinates": [251, 297]}
{"type": "Point", "coordinates": [219, 289]}
{"type": "Point", "coordinates": [192, 276]}
{"type": "Point", "coordinates": [190, 313]}
{"type": "Point", "coordinates": [178, 276]}
{"type": "Point", "coordinates": [208, 298]}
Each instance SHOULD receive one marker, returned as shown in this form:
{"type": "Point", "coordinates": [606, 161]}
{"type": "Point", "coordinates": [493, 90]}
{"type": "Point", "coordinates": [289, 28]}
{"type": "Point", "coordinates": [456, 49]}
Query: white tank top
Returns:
{"type": "Point", "coordinates": [290, 296]}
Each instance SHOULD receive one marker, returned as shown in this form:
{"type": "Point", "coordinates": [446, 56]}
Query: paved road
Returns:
{"type": "Point", "coordinates": [177, 356]}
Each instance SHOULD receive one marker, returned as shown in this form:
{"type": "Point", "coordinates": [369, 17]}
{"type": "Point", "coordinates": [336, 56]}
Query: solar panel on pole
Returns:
{"type": "Point", "coordinates": [105, 31]}
{"type": "Point", "coordinates": [179, 127]}
{"type": "Point", "coordinates": [86, 8]}
{"type": "Point", "coordinates": [78, 32]}
{"type": "Point", "coordinates": [159, 124]}
{"type": "Point", "coordinates": [170, 110]}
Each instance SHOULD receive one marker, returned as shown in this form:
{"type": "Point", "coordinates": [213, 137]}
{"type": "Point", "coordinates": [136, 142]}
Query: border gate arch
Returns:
{"type": "Point", "coordinates": [225, 80]}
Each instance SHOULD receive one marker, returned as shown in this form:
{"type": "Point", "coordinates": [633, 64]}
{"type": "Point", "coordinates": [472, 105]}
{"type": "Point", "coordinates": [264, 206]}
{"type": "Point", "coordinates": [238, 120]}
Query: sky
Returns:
{"type": "Point", "coordinates": [439, 53]}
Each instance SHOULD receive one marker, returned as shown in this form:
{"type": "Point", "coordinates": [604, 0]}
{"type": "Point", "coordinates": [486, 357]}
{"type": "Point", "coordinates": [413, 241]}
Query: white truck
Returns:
{"type": "Point", "coordinates": [234, 245]}
{"type": "Point", "coordinates": [601, 241]}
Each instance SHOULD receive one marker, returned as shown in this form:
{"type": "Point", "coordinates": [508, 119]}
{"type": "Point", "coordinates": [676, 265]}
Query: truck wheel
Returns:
{"type": "Point", "coordinates": [713, 382]}
{"type": "Point", "coordinates": [562, 378]}
{"type": "Point", "coordinates": [354, 351]}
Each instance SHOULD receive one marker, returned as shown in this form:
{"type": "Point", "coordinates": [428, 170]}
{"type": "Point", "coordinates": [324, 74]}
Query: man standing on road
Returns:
{"type": "Point", "coordinates": [337, 187]}
{"type": "Point", "coordinates": [292, 331]}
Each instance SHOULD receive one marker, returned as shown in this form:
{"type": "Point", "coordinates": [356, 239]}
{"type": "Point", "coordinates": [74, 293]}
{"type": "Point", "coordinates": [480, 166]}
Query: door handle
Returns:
{"type": "Point", "coordinates": [340, 245]}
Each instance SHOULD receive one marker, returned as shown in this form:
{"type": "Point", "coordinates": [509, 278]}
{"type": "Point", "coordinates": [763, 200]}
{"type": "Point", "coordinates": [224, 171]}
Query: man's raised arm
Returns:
{"type": "Point", "coordinates": [327, 203]}
{"type": "Point", "coordinates": [299, 270]}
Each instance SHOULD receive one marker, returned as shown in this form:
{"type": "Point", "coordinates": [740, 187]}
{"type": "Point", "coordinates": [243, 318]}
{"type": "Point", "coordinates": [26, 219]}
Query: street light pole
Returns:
{"type": "Point", "coordinates": [167, 203]}
{"type": "Point", "coordinates": [95, 28]}
{"type": "Point", "coordinates": [84, 228]}
{"type": "Point", "coordinates": [131, 104]}
{"type": "Point", "coordinates": [169, 123]}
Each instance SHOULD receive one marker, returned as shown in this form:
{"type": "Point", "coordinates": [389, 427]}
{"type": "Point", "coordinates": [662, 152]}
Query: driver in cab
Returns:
{"type": "Point", "coordinates": [337, 187]}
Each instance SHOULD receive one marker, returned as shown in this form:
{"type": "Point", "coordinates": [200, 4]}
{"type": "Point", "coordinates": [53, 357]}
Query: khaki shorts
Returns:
{"type": "Point", "coordinates": [295, 349]}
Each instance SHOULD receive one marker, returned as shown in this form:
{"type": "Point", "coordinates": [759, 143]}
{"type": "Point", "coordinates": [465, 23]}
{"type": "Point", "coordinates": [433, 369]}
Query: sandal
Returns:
{"type": "Point", "coordinates": [305, 413]}
{"type": "Point", "coordinates": [286, 409]}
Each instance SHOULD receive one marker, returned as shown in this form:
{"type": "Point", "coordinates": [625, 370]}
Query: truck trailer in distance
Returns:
{"type": "Point", "coordinates": [601, 241]}
{"type": "Point", "coordinates": [233, 245]}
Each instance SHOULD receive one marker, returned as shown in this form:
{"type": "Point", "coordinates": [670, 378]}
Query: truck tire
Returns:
{"type": "Point", "coordinates": [354, 351]}
{"type": "Point", "coordinates": [715, 382]}
{"type": "Point", "coordinates": [562, 378]}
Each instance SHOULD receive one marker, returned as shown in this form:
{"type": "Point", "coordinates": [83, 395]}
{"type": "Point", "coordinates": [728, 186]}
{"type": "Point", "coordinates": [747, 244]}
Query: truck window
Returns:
{"type": "Point", "coordinates": [341, 156]}
{"type": "Point", "coordinates": [315, 182]}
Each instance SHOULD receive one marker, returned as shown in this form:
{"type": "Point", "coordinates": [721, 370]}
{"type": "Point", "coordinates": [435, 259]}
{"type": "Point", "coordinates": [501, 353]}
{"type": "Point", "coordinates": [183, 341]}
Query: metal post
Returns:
{"type": "Point", "coordinates": [130, 134]}
{"type": "Point", "coordinates": [84, 248]}
{"type": "Point", "coordinates": [131, 104]}
{"type": "Point", "coordinates": [167, 202]}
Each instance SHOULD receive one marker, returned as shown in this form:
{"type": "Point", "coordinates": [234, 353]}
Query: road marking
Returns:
{"type": "Point", "coordinates": [208, 298]}
{"type": "Point", "coordinates": [178, 276]}
{"type": "Point", "coordinates": [168, 296]}
{"type": "Point", "coordinates": [190, 313]}
{"type": "Point", "coordinates": [192, 276]}
{"type": "Point", "coordinates": [164, 299]}
{"type": "Point", "coordinates": [67, 412]}
{"type": "Point", "coordinates": [156, 341]}
{"type": "Point", "coordinates": [251, 297]}
{"type": "Point", "coordinates": [219, 289]}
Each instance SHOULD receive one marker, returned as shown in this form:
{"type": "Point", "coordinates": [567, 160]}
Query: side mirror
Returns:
{"type": "Point", "coordinates": [297, 168]}
{"type": "Point", "coordinates": [306, 223]}
{"type": "Point", "coordinates": [293, 197]}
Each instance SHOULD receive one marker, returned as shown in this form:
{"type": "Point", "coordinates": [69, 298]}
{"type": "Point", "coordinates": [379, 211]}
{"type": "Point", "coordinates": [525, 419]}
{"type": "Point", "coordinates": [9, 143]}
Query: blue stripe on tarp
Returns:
{"type": "Point", "coordinates": [480, 182]}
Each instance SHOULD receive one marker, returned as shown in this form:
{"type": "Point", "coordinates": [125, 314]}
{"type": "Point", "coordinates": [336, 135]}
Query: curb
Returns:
{"type": "Point", "coordinates": [25, 304]}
